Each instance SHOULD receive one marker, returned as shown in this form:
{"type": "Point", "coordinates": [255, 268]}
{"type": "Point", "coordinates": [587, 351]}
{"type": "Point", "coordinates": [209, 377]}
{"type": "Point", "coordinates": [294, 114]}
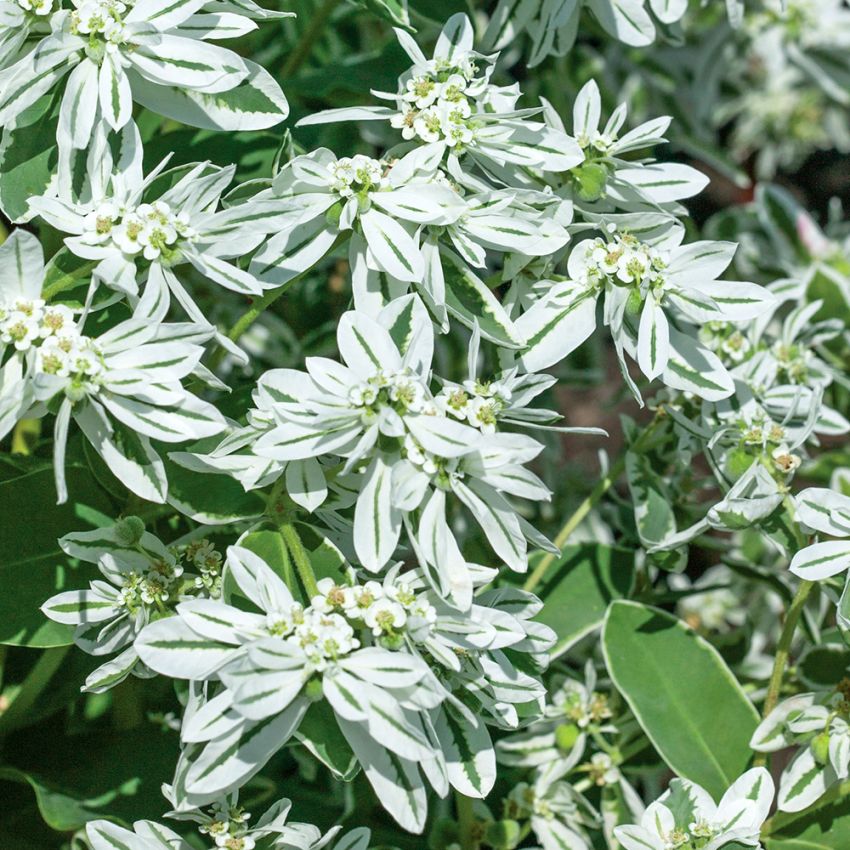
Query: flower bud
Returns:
{"type": "Point", "coordinates": [590, 179]}
{"type": "Point", "coordinates": [129, 530]}
{"type": "Point", "coordinates": [634, 302]}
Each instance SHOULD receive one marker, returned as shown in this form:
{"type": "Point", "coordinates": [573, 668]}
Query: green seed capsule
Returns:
{"type": "Point", "coordinates": [820, 747]}
{"type": "Point", "coordinates": [566, 735]}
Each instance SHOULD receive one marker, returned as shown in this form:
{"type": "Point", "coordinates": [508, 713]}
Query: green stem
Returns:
{"type": "Point", "coordinates": [786, 636]}
{"type": "Point", "coordinates": [67, 280]}
{"type": "Point", "coordinates": [300, 558]}
{"type": "Point", "coordinates": [308, 38]}
{"type": "Point", "coordinates": [31, 689]}
{"type": "Point", "coordinates": [588, 504]}
{"type": "Point", "coordinates": [783, 649]}
{"type": "Point", "coordinates": [465, 822]}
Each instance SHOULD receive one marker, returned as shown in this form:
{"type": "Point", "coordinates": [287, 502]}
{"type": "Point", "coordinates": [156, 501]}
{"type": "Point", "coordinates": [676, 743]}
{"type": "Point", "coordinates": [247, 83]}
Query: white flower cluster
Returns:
{"type": "Point", "coordinates": [438, 103]}
{"type": "Point", "coordinates": [144, 580]}
{"type": "Point", "coordinates": [387, 657]}
{"type": "Point", "coordinates": [152, 229]}
{"type": "Point", "coordinates": [686, 818]}
{"type": "Point", "coordinates": [28, 323]}
{"type": "Point", "coordinates": [228, 825]}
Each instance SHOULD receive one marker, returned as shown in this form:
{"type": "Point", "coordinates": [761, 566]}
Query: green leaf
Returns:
{"type": "Point", "coordinates": [578, 588]}
{"type": "Point", "coordinates": [28, 156]}
{"type": "Point", "coordinates": [322, 737]}
{"type": "Point", "coordinates": [826, 828]}
{"type": "Point", "coordinates": [778, 213]}
{"type": "Point", "coordinates": [682, 694]}
{"type": "Point", "coordinates": [210, 499]}
{"type": "Point", "coordinates": [269, 545]}
{"type": "Point", "coordinates": [110, 781]}
{"type": "Point", "coordinates": [28, 502]}
{"type": "Point", "coordinates": [824, 667]}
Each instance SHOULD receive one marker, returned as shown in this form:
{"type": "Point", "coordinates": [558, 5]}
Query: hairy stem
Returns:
{"type": "Point", "coordinates": [300, 558]}
{"type": "Point", "coordinates": [589, 503]}
{"type": "Point", "coordinates": [308, 38]}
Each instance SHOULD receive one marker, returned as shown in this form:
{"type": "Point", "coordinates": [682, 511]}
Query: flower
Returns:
{"type": "Point", "coordinates": [122, 387]}
{"type": "Point", "coordinates": [685, 817]}
{"type": "Point", "coordinates": [143, 579]}
{"type": "Point", "coordinates": [94, 49]}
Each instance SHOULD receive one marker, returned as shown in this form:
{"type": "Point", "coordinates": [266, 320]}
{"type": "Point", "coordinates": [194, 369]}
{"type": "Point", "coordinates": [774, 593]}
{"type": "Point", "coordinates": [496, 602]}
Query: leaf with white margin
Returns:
{"type": "Point", "coordinates": [391, 247]}
{"type": "Point", "coordinates": [468, 751]}
{"type": "Point", "coordinates": [803, 782]}
{"type": "Point", "coordinates": [696, 262]}
{"type": "Point", "coordinates": [305, 483]}
{"type": "Point", "coordinates": [498, 521]}
{"type": "Point", "coordinates": [113, 672]}
{"type": "Point", "coordinates": [171, 648]}
{"type": "Point", "coordinates": [255, 104]}
{"type": "Point", "coordinates": [470, 300]}
{"type": "Point", "coordinates": [366, 346]}
{"type": "Point", "coordinates": [130, 456]}
{"type": "Point", "coordinates": [230, 761]}
{"type": "Point", "coordinates": [770, 735]}
{"type": "Point", "coordinates": [443, 436]}
{"type": "Point", "coordinates": [695, 369]}
{"type": "Point", "coordinates": [455, 38]}
{"type": "Point", "coordinates": [384, 668]}
{"type": "Point", "coordinates": [79, 105]}
{"type": "Point", "coordinates": [409, 325]}
{"type": "Point", "coordinates": [396, 781]}
{"type": "Point", "coordinates": [738, 300]}
{"type": "Point", "coordinates": [377, 521]}
{"type": "Point", "coordinates": [664, 182]}
{"type": "Point", "coordinates": [103, 835]}
{"type": "Point", "coordinates": [555, 326]}
{"type": "Point", "coordinates": [626, 20]}
{"type": "Point", "coordinates": [824, 510]}
{"type": "Point", "coordinates": [821, 560]}
{"type": "Point", "coordinates": [21, 266]}
{"type": "Point", "coordinates": [653, 349]}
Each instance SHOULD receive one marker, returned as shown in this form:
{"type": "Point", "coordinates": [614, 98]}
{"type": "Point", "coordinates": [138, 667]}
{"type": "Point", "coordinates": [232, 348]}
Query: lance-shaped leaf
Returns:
{"type": "Point", "coordinates": [682, 693]}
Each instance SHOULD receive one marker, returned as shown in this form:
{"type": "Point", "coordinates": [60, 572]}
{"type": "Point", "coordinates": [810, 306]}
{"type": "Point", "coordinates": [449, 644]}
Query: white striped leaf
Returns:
{"type": "Point", "coordinates": [822, 560]}
{"type": "Point", "coordinates": [377, 521]}
{"type": "Point", "coordinates": [469, 754]}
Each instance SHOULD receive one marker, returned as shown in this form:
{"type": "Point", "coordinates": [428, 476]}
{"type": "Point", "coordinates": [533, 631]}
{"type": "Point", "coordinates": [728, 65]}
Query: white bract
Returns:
{"type": "Point", "coordinates": [686, 818]}
{"type": "Point", "coordinates": [449, 104]}
{"type": "Point", "coordinates": [819, 725]}
{"type": "Point", "coordinates": [144, 580]}
{"type": "Point", "coordinates": [368, 649]}
{"type": "Point", "coordinates": [552, 25]}
{"type": "Point", "coordinates": [122, 388]}
{"type": "Point", "coordinates": [108, 53]}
